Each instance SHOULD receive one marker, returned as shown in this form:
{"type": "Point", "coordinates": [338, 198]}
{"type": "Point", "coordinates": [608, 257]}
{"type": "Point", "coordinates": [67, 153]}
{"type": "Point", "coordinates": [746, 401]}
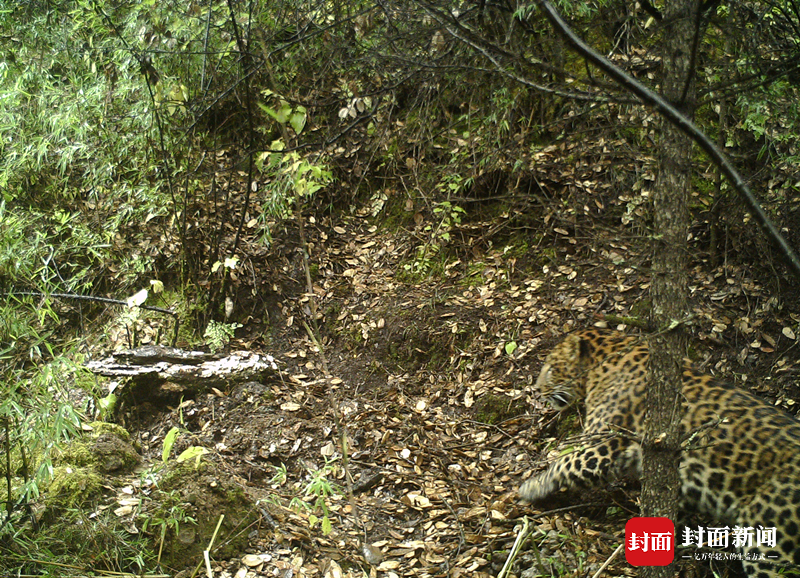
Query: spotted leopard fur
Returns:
{"type": "Point", "coordinates": [746, 471]}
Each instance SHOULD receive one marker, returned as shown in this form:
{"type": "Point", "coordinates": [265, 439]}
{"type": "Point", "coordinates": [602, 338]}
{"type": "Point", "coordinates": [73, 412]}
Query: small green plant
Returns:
{"type": "Point", "coordinates": [273, 499]}
{"type": "Point", "coordinates": [218, 335]}
{"type": "Point", "coordinates": [319, 489]}
{"type": "Point", "coordinates": [284, 113]}
{"type": "Point", "coordinates": [293, 179]}
{"type": "Point", "coordinates": [299, 505]}
{"type": "Point", "coordinates": [129, 319]}
{"type": "Point", "coordinates": [190, 453]}
{"type": "Point", "coordinates": [170, 514]}
{"type": "Point", "coordinates": [280, 477]}
{"type": "Point", "coordinates": [452, 183]}
{"type": "Point", "coordinates": [447, 217]}
{"type": "Point", "coordinates": [169, 441]}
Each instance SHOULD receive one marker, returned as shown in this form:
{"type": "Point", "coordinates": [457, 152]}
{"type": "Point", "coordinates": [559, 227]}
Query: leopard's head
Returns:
{"type": "Point", "coordinates": [561, 380]}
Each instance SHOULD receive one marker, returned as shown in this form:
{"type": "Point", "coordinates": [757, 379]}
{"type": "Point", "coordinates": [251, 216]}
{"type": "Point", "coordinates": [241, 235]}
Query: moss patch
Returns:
{"type": "Point", "coordinates": [73, 486]}
{"type": "Point", "coordinates": [494, 409]}
{"type": "Point", "coordinates": [568, 424]}
{"type": "Point", "coordinates": [107, 449]}
{"type": "Point", "coordinates": [188, 506]}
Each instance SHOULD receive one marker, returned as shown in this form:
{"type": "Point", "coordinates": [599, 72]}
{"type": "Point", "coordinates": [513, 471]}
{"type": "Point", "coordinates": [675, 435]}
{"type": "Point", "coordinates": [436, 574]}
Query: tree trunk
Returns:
{"type": "Point", "coordinates": [668, 290]}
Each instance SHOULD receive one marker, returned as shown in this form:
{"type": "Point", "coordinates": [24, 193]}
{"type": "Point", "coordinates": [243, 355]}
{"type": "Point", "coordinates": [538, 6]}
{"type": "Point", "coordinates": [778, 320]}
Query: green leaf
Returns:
{"type": "Point", "coordinates": [327, 527]}
{"type": "Point", "coordinates": [511, 347]}
{"type": "Point", "coordinates": [268, 110]}
{"type": "Point", "coordinates": [192, 452]}
{"type": "Point", "coordinates": [107, 404]}
{"type": "Point", "coordinates": [298, 119]}
{"type": "Point", "coordinates": [283, 112]}
{"type": "Point", "coordinates": [169, 441]}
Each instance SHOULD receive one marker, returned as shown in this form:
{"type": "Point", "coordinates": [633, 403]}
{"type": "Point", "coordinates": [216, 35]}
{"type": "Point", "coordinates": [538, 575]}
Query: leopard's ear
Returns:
{"type": "Point", "coordinates": [573, 346]}
{"type": "Point", "coordinates": [577, 347]}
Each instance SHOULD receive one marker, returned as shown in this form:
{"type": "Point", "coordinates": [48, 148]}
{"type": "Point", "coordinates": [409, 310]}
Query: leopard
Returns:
{"type": "Point", "coordinates": [743, 468]}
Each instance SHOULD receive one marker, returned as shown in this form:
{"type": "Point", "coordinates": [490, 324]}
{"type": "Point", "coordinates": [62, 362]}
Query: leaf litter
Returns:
{"type": "Point", "coordinates": [417, 362]}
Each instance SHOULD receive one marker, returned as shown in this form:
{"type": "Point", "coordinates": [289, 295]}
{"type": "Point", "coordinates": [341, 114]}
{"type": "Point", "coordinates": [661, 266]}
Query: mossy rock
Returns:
{"type": "Point", "coordinates": [107, 449]}
{"type": "Point", "coordinates": [100, 427]}
{"type": "Point", "coordinates": [196, 496]}
{"type": "Point", "coordinates": [73, 486]}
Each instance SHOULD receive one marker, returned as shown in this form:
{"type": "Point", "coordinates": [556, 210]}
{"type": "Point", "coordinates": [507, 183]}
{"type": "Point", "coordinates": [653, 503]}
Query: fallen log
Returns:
{"type": "Point", "coordinates": [164, 375]}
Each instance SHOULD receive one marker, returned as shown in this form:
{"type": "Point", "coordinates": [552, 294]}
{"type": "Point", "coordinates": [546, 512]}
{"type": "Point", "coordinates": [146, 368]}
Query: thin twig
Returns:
{"type": "Point", "coordinates": [338, 418]}
{"type": "Point", "coordinates": [523, 533]}
{"type": "Point", "coordinates": [88, 298]}
{"type": "Point", "coordinates": [607, 562]}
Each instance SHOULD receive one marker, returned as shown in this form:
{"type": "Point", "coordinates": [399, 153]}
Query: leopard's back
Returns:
{"type": "Point", "coordinates": [743, 467]}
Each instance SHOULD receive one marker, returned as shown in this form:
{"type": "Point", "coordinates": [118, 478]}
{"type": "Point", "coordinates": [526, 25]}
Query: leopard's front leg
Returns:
{"type": "Point", "coordinates": [585, 466]}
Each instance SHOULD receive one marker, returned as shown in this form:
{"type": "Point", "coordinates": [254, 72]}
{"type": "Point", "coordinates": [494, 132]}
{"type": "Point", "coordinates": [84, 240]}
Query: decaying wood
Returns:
{"type": "Point", "coordinates": [196, 370]}
{"type": "Point", "coordinates": [151, 354]}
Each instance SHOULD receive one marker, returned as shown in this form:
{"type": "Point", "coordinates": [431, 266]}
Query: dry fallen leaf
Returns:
{"type": "Point", "coordinates": [123, 511]}
{"type": "Point", "coordinates": [334, 570]}
{"type": "Point", "coordinates": [416, 500]}
{"type": "Point", "coordinates": [372, 555]}
{"type": "Point", "coordinates": [252, 560]}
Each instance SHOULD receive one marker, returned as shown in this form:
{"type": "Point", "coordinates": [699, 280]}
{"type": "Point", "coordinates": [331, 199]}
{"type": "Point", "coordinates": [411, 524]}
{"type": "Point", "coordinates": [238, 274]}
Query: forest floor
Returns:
{"type": "Point", "coordinates": [431, 368]}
